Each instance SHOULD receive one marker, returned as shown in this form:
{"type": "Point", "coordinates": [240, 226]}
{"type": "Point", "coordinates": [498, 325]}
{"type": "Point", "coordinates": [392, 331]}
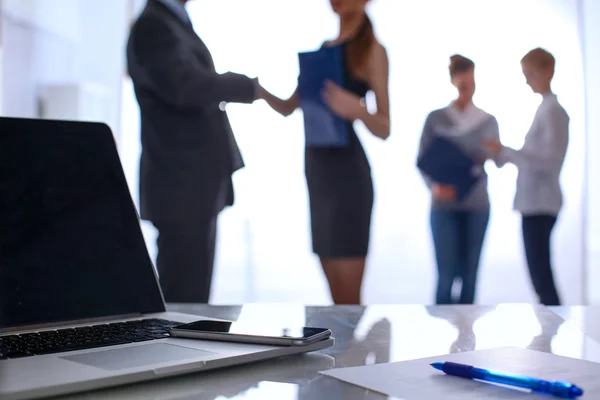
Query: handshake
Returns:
{"type": "Point", "coordinates": [259, 91]}
{"type": "Point", "coordinates": [281, 106]}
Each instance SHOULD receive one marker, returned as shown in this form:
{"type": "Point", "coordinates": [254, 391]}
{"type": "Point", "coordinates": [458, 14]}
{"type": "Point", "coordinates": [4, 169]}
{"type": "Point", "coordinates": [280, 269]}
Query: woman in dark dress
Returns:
{"type": "Point", "coordinates": [339, 179]}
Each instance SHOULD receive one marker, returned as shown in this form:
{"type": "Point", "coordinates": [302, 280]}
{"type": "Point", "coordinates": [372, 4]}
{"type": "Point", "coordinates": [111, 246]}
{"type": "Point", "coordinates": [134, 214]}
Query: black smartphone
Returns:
{"type": "Point", "coordinates": [234, 332]}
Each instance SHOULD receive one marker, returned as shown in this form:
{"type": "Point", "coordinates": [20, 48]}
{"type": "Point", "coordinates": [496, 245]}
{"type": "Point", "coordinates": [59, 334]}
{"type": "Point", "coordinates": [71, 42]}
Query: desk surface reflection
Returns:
{"type": "Point", "coordinates": [374, 334]}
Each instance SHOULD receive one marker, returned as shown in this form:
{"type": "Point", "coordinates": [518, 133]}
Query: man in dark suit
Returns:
{"type": "Point", "coordinates": [189, 152]}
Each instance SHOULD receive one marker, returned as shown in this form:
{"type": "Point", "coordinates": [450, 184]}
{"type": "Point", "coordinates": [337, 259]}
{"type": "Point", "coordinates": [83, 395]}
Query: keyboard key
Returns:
{"type": "Point", "coordinates": [87, 337]}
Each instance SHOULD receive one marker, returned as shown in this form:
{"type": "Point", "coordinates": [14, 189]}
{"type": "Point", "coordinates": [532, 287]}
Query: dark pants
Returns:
{"type": "Point", "coordinates": [537, 230]}
{"type": "Point", "coordinates": [458, 238]}
{"type": "Point", "coordinates": [185, 260]}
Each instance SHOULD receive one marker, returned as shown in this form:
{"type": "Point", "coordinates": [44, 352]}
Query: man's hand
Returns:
{"type": "Point", "coordinates": [258, 90]}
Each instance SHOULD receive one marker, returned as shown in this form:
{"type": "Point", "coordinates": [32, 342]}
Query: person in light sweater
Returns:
{"type": "Point", "coordinates": [538, 196]}
{"type": "Point", "coordinates": [458, 227]}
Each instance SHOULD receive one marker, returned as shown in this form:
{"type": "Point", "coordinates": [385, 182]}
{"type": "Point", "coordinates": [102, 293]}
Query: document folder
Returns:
{"type": "Point", "coordinates": [445, 163]}
{"type": "Point", "coordinates": [322, 127]}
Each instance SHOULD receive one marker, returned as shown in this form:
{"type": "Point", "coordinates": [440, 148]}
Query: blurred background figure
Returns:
{"type": "Point", "coordinates": [339, 180]}
{"type": "Point", "coordinates": [188, 149]}
{"type": "Point", "coordinates": [458, 227]}
{"type": "Point", "coordinates": [539, 196]}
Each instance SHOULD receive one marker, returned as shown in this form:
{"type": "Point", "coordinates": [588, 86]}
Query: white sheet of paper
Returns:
{"type": "Point", "coordinates": [417, 379]}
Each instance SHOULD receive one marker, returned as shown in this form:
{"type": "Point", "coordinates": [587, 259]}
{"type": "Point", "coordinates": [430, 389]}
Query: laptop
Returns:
{"type": "Point", "coordinates": [80, 303]}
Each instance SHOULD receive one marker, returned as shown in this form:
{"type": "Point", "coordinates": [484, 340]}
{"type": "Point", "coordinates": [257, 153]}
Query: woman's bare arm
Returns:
{"type": "Point", "coordinates": [378, 77]}
{"type": "Point", "coordinates": [283, 107]}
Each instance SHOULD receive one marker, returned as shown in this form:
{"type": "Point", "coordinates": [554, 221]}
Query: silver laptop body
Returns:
{"type": "Point", "coordinates": [80, 304]}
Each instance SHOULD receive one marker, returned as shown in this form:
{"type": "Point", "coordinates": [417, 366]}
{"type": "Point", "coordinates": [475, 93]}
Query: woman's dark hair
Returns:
{"type": "Point", "coordinates": [460, 64]}
{"type": "Point", "coordinates": [360, 46]}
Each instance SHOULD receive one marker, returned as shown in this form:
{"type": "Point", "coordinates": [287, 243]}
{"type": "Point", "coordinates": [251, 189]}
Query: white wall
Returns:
{"type": "Point", "coordinates": [37, 48]}
{"type": "Point", "coordinates": [590, 19]}
{"type": "Point", "coordinates": [57, 17]}
{"type": "Point", "coordinates": [102, 54]}
{"type": "Point", "coordinates": [62, 41]}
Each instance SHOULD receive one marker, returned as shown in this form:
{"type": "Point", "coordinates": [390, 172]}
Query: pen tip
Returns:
{"type": "Point", "coordinates": [576, 391]}
{"type": "Point", "coordinates": [437, 365]}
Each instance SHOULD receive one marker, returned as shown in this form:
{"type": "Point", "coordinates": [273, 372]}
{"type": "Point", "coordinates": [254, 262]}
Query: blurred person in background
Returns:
{"type": "Point", "coordinates": [458, 227]}
{"type": "Point", "coordinates": [189, 152]}
{"type": "Point", "coordinates": [539, 161]}
{"type": "Point", "coordinates": [339, 180]}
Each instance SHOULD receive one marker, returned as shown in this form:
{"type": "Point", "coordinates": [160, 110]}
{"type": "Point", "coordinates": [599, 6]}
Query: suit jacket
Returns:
{"type": "Point", "coordinates": [188, 149]}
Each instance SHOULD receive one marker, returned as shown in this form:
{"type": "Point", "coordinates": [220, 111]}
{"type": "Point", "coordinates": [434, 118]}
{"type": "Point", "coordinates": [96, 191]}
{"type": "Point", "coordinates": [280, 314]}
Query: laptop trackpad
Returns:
{"type": "Point", "coordinates": [137, 356]}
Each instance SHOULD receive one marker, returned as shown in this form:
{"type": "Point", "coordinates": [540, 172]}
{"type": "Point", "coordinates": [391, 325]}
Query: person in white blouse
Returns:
{"type": "Point", "coordinates": [539, 197]}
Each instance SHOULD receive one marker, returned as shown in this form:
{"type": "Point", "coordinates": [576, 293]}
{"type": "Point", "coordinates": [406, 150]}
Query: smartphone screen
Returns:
{"type": "Point", "coordinates": [252, 330]}
{"type": "Point", "coordinates": [251, 333]}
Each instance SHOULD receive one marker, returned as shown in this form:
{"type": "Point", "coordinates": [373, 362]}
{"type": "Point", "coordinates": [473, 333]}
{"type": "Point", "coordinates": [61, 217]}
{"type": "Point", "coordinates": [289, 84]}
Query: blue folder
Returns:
{"type": "Point", "coordinates": [321, 126]}
{"type": "Point", "coordinates": [445, 163]}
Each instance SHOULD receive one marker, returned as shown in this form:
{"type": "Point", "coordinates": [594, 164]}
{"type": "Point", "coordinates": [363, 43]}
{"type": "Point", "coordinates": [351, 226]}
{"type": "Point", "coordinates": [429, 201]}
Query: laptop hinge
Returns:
{"type": "Point", "coordinates": [63, 324]}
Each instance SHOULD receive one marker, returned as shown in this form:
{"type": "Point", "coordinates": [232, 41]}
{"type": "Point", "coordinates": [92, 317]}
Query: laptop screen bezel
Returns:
{"type": "Point", "coordinates": [104, 133]}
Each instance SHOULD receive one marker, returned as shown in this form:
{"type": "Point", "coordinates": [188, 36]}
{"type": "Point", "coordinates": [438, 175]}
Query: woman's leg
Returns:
{"type": "Point", "coordinates": [537, 230]}
{"type": "Point", "coordinates": [475, 223]}
{"type": "Point", "coordinates": [444, 230]}
{"type": "Point", "coordinates": [345, 276]}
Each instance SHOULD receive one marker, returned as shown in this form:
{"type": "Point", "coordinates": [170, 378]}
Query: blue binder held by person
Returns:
{"type": "Point", "coordinates": [445, 163]}
{"type": "Point", "coordinates": [322, 127]}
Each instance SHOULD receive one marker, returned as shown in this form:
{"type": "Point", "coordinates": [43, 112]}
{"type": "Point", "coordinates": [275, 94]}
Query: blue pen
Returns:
{"type": "Point", "coordinates": [558, 389]}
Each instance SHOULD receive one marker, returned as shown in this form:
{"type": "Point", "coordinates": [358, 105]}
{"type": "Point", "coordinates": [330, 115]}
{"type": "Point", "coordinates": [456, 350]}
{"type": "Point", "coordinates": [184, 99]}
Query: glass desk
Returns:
{"type": "Point", "coordinates": [367, 335]}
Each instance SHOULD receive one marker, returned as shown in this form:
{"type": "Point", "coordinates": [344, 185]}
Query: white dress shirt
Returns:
{"type": "Point", "coordinates": [177, 8]}
{"type": "Point", "coordinates": [540, 160]}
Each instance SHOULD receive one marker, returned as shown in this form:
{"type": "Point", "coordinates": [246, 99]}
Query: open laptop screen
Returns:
{"type": "Point", "coordinates": [71, 246]}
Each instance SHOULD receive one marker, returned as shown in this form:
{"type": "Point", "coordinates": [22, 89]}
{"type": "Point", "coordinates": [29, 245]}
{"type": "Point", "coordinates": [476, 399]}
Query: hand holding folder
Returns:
{"type": "Point", "coordinates": [322, 127]}
{"type": "Point", "coordinates": [445, 163]}
{"type": "Point", "coordinates": [443, 192]}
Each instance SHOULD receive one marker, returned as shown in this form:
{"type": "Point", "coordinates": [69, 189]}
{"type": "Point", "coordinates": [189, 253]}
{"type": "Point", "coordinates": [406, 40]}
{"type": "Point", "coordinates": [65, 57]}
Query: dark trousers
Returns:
{"type": "Point", "coordinates": [458, 238]}
{"type": "Point", "coordinates": [537, 230]}
{"type": "Point", "coordinates": [185, 260]}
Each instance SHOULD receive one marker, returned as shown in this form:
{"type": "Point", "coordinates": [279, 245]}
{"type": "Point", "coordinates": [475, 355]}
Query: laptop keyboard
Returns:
{"type": "Point", "coordinates": [81, 338]}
